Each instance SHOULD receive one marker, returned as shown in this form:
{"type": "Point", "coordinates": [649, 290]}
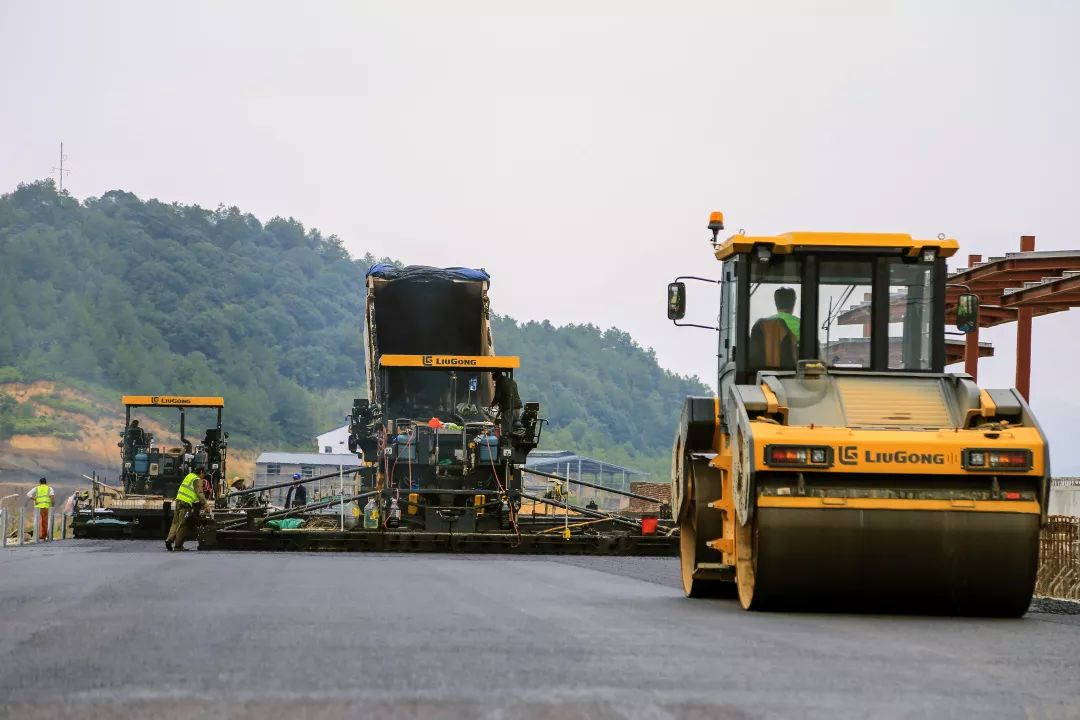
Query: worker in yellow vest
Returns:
{"type": "Point", "coordinates": [188, 495]}
{"type": "Point", "coordinates": [43, 497]}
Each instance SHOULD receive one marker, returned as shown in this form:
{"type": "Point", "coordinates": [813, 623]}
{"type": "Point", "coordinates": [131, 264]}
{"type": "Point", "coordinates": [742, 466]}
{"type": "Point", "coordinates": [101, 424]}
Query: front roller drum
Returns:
{"type": "Point", "coordinates": [947, 562]}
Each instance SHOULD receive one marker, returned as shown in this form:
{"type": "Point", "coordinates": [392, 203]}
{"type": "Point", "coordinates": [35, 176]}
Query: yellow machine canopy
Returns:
{"type": "Point", "coordinates": [480, 363]}
{"type": "Point", "coordinates": [172, 401]}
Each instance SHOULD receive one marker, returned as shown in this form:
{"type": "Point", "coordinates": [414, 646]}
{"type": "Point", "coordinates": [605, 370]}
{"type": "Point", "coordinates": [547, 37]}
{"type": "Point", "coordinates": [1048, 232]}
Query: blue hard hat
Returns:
{"type": "Point", "coordinates": [296, 476]}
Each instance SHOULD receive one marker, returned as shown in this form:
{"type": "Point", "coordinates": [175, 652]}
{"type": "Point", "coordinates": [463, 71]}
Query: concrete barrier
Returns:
{"type": "Point", "coordinates": [1065, 500]}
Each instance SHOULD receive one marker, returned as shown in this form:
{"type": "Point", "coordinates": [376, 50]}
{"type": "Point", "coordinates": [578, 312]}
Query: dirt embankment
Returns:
{"type": "Point", "coordinates": [98, 424]}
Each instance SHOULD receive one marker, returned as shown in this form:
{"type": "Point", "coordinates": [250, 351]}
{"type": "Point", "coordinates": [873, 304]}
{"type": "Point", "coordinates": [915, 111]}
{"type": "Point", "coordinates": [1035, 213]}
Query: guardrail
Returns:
{"type": "Point", "coordinates": [14, 531]}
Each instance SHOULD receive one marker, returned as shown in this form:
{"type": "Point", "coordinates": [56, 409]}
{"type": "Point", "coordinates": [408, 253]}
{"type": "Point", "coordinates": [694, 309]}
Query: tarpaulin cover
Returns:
{"type": "Point", "coordinates": [426, 311]}
{"type": "Point", "coordinates": [429, 316]}
{"type": "Point", "coordinates": [285, 523]}
{"type": "Point", "coordinates": [386, 271]}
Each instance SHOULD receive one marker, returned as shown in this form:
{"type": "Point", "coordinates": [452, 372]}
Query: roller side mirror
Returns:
{"type": "Point", "coordinates": [967, 313]}
{"type": "Point", "coordinates": [676, 300]}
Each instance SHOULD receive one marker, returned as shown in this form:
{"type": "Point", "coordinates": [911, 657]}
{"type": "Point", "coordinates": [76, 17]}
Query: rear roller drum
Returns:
{"type": "Point", "coordinates": [698, 526]}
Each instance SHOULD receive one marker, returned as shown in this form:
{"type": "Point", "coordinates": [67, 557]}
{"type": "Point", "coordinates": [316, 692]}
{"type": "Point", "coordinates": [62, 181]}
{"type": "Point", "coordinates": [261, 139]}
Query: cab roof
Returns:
{"type": "Point", "coordinates": [787, 243]}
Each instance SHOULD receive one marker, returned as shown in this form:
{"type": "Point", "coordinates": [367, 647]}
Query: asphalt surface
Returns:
{"type": "Point", "coordinates": [121, 629]}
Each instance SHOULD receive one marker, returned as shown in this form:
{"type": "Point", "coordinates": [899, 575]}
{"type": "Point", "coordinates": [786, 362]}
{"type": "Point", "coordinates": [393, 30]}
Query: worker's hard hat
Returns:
{"type": "Point", "coordinates": [296, 476]}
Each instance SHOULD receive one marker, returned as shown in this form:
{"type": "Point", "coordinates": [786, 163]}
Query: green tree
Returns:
{"type": "Point", "coordinates": [143, 296]}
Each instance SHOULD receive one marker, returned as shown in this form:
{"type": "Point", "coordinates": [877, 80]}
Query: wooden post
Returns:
{"type": "Point", "coordinates": [1023, 334]}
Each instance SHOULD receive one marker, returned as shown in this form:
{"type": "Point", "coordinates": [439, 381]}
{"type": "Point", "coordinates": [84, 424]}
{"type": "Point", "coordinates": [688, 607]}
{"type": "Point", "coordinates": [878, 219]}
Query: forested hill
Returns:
{"type": "Point", "coordinates": [149, 297]}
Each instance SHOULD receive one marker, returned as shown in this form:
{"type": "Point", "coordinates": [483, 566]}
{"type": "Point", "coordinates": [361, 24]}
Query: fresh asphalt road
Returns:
{"type": "Point", "coordinates": [121, 629]}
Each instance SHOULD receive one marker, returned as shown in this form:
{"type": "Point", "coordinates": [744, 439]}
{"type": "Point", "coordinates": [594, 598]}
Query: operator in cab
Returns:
{"type": "Point", "coordinates": [508, 401]}
{"type": "Point", "coordinates": [774, 340]}
{"type": "Point", "coordinates": [135, 436]}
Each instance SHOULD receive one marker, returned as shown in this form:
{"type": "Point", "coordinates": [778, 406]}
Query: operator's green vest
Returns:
{"type": "Point", "coordinates": [186, 491]}
{"type": "Point", "coordinates": [791, 321]}
{"type": "Point", "coordinates": [41, 499]}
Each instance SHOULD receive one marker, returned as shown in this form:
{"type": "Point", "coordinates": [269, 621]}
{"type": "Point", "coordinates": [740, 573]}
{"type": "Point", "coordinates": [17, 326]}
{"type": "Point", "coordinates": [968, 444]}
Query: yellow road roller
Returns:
{"type": "Point", "coordinates": [840, 467]}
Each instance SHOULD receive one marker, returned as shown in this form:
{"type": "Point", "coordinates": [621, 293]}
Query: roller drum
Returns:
{"type": "Point", "coordinates": [949, 562]}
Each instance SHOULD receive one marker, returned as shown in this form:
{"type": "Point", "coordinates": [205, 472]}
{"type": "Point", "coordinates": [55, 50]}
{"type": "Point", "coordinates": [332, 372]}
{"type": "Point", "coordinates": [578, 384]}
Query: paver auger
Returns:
{"type": "Point", "coordinates": [840, 466]}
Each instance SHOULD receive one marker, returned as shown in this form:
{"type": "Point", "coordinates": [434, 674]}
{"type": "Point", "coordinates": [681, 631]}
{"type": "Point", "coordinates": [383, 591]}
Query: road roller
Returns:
{"type": "Point", "coordinates": [839, 467]}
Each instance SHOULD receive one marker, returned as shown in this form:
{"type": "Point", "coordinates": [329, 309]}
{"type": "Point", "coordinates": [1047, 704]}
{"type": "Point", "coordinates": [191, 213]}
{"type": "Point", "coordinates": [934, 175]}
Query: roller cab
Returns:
{"type": "Point", "coordinates": [840, 467]}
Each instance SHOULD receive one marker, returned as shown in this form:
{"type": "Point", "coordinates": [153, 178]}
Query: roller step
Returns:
{"type": "Point", "coordinates": [714, 571]}
{"type": "Point", "coordinates": [724, 545]}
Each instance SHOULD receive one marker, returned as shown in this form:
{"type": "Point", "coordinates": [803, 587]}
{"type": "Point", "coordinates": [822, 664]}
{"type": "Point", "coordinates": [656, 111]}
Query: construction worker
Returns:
{"type": "Point", "coordinates": [188, 495]}
{"type": "Point", "coordinates": [235, 486]}
{"type": "Point", "coordinates": [508, 401]}
{"type": "Point", "coordinates": [297, 494]}
{"type": "Point", "coordinates": [43, 497]}
{"type": "Point", "coordinates": [135, 436]}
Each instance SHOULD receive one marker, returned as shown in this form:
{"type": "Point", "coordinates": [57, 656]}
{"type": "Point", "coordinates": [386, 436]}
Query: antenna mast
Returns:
{"type": "Point", "coordinates": [60, 170]}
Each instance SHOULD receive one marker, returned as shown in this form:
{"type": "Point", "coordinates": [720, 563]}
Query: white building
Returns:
{"type": "Point", "coordinates": [272, 468]}
{"type": "Point", "coordinates": [333, 441]}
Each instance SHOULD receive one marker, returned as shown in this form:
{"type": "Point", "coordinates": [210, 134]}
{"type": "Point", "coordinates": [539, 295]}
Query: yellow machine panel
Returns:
{"type": "Point", "coordinates": [930, 452]}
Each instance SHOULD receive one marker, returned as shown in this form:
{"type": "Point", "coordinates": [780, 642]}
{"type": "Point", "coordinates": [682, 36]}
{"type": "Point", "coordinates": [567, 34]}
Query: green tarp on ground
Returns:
{"type": "Point", "coordinates": [285, 524]}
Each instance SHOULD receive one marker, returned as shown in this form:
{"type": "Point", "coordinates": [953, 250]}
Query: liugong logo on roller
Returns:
{"type": "Point", "coordinates": [849, 455]}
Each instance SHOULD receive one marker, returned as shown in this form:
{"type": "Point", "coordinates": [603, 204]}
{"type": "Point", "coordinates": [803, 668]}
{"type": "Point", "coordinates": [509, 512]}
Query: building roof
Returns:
{"type": "Point", "coordinates": [337, 429]}
{"type": "Point", "coordinates": [1035, 279]}
{"type": "Point", "coordinates": [549, 460]}
{"type": "Point", "coordinates": [299, 458]}
{"type": "Point", "coordinates": [1060, 291]}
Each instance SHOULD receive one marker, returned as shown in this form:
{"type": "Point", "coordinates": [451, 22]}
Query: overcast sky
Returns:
{"type": "Point", "coordinates": [574, 149]}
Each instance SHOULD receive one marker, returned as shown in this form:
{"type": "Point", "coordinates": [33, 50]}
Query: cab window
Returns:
{"type": "Point", "coordinates": [844, 317]}
{"type": "Point", "coordinates": [911, 300]}
{"type": "Point", "coordinates": [775, 322]}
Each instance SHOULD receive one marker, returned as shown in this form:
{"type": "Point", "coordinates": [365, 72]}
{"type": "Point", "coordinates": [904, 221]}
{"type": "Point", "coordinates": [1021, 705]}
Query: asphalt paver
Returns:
{"type": "Point", "coordinates": [123, 629]}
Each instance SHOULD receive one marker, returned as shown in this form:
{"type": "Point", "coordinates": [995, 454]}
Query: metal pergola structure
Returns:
{"type": "Point", "coordinates": [577, 467]}
{"type": "Point", "coordinates": [1015, 288]}
{"type": "Point", "coordinates": [850, 349]}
